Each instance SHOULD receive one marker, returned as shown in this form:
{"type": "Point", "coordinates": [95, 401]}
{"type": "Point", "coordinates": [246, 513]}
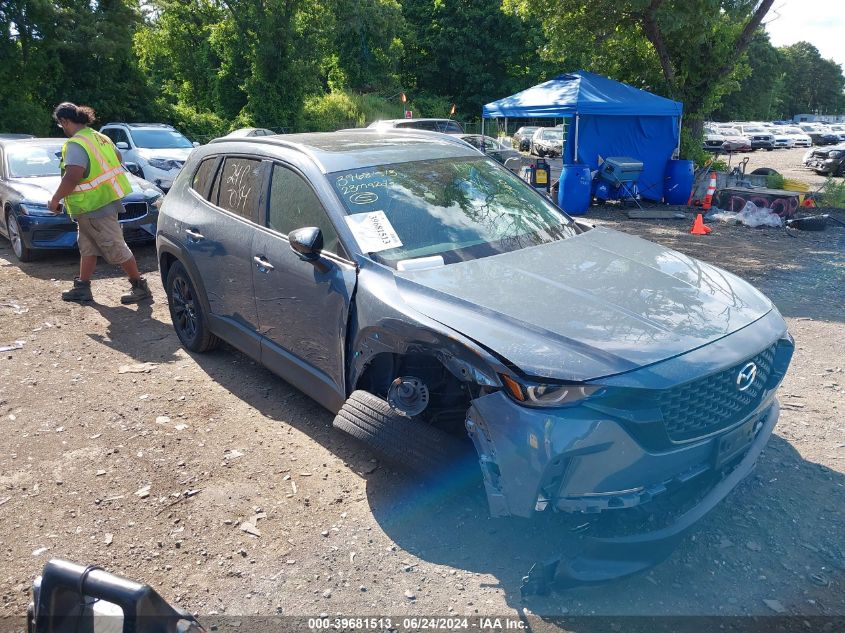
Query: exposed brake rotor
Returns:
{"type": "Point", "coordinates": [408, 395]}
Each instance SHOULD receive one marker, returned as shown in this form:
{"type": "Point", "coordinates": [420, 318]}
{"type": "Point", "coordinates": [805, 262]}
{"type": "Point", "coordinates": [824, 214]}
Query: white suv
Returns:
{"type": "Point", "coordinates": [153, 151]}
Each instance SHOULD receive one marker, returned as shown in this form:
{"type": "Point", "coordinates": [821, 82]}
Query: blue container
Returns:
{"type": "Point", "coordinates": [678, 185]}
{"type": "Point", "coordinates": [574, 195]}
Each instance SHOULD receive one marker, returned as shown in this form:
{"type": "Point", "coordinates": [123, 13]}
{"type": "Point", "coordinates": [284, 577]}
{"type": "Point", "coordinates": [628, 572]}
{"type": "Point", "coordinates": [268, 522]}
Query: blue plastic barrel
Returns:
{"type": "Point", "coordinates": [574, 195]}
{"type": "Point", "coordinates": [678, 185]}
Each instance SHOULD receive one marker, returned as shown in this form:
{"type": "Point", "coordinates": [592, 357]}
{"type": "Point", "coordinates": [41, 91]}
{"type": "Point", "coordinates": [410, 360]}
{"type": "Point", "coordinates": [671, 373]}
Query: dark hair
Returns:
{"type": "Point", "coordinates": [72, 112]}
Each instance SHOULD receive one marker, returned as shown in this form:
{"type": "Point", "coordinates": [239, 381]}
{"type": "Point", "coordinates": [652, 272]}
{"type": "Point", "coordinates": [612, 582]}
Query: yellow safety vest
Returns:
{"type": "Point", "coordinates": [106, 181]}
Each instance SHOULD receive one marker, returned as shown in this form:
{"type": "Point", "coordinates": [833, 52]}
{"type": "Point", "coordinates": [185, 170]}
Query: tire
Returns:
{"type": "Point", "coordinates": [21, 250]}
{"type": "Point", "coordinates": [407, 442]}
{"type": "Point", "coordinates": [186, 311]}
{"type": "Point", "coordinates": [765, 171]}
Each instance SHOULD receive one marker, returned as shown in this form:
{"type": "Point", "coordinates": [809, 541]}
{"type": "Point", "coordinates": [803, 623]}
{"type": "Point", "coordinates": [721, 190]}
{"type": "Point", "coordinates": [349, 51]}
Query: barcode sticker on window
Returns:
{"type": "Point", "coordinates": [373, 231]}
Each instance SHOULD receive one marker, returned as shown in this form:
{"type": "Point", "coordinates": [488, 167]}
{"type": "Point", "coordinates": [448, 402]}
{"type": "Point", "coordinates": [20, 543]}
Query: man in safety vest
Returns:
{"type": "Point", "coordinates": [93, 184]}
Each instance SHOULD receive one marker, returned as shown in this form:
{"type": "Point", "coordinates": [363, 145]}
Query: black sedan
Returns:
{"type": "Point", "coordinates": [490, 146]}
{"type": "Point", "coordinates": [29, 175]}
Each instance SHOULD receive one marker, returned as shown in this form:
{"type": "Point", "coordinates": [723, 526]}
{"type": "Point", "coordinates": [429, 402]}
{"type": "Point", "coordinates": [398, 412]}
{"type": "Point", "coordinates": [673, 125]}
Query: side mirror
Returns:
{"type": "Point", "coordinates": [307, 243]}
{"type": "Point", "coordinates": [122, 145]}
{"type": "Point", "coordinates": [195, 144]}
{"type": "Point", "coordinates": [133, 169]}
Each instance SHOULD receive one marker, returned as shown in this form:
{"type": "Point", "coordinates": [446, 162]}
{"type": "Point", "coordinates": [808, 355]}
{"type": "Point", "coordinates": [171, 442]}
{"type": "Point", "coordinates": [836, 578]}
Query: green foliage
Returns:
{"type": "Point", "coordinates": [691, 147]}
{"type": "Point", "coordinates": [328, 112]}
{"type": "Point", "coordinates": [429, 105]}
{"type": "Point", "coordinates": [775, 181]}
{"type": "Point", "coordinates": [813, 84]}
{"type": "Point", "coordinates": [198, 125]}
{"type": "Point", "coordinates": [762, 77]}
{"type": "Point", "coordinates": [832, 194]}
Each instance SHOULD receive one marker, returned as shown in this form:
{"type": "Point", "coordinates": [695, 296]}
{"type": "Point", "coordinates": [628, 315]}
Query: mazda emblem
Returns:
{"type": "Point", "coordinates": [745, 377]}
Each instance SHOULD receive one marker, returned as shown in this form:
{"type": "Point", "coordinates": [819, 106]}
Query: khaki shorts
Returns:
{"type": "Point", "coordinates": [104, 237]}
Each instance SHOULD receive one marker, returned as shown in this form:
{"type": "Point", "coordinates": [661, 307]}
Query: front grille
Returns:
{"type": "Point", "coordinates": [133, 210]}
{"type": "Point", "coordinates": [47, 235]}
{"type": "Point", "coordinates": [713, 403]}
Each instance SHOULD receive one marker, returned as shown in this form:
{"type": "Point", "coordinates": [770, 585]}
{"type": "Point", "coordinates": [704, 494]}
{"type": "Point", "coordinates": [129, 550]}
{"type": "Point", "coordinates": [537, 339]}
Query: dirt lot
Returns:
{"type": "Point", "coordinates": [154, 474]}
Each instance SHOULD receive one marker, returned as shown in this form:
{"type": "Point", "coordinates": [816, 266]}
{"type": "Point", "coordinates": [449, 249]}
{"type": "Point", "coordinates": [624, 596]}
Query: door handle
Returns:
{"type": "Point", "coordinates": [194, 235]}
{"type": "Point", "coordinates": [262, 264]}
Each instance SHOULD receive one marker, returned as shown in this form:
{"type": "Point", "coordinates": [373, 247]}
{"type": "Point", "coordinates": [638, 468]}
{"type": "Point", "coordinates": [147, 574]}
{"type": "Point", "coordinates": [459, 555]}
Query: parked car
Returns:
{"type": "Point", "coordinates": [782, 139]}
{"type": "Point", "coordinates": [446, 126]}
{"type": "Point", "coordinates": [798, 137]}
{"type": "Point", "coordinates": [724, 139]}
{"type": "Point", "coordinates": [492, 147]}
{"type": "Point", "coordinates": [14, 137]}
{"type": "Point", "coordinates": [819, 134]}
{"type": "Point", "coordinates": [760, 137]}
{"type": "Point", "coordinates": [151, 151]}
{"type": "Point", "coordinates": [246, 132]}
{"type": "Point", "coordinates": [547, 141]}
{"type": "Point", "coordinates": [837, 129]}
{"type": "Point", "coordinates": [30, 175]}
{"type": "Point", "coordinates": [522, 138]}
{"type": "Point", "coordinates": [427, 296]}
{"type": "Point", "coordinates": [828, 161]}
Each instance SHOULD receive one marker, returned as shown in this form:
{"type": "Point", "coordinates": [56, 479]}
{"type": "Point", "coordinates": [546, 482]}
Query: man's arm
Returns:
{"type": "Point", "coordinates": [73, 176]}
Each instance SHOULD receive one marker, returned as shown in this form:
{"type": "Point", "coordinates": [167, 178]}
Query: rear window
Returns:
{"type": "Point", "coordinates": [204, 175]}
{"type": "Point", "coordinates": [238, 187]}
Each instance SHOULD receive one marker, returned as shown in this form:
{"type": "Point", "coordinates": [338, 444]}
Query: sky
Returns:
{"type": "Point", "coordinates": [820, 22]}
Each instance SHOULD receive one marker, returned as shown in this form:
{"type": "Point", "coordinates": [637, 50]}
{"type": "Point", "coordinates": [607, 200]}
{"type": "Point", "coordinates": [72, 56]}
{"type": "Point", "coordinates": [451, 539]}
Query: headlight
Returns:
{"type": "Point", "coordinates": [161, 163]}
{"type": "Point", "coordinates": [35, 209]}
{"type": "Point", "coordinates": [547, 394]}
{"type": "Point", "coordinates": [835, 154]}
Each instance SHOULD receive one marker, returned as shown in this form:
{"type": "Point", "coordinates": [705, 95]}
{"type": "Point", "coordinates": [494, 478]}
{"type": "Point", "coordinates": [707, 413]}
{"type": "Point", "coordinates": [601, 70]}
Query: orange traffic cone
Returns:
{"type": "Point", "coordinates": [711, 189]}
{"type": "Point", "coordinates": [698, 227]}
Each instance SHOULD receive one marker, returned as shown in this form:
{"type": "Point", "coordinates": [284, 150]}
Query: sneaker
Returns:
{"type": "Point", "coordinates": [139, 291]}
{"type": "Point", "coordinates": [81, 292]}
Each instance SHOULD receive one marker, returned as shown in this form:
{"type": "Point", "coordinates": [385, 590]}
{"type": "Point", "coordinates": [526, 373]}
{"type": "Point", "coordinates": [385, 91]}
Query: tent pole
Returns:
{"type": "Point", "coordinates": [482, 126]}
{"type": "Point", "coordinates": [680, 125]}
{"type": "Point", "coordinates": [576, 137]}
{"type": "Point", "coordinates": [506, 126]}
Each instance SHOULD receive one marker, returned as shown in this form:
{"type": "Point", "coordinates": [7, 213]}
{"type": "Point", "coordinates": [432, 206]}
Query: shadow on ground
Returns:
{"type": "Point", "coordinates": [64, 264]}
{"type": "Point", "coordinates": [778, 536]}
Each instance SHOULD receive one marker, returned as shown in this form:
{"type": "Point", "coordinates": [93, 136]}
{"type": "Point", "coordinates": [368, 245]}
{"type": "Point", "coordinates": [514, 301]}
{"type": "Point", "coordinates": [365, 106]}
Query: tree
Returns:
{"type": "Point", "coordinates": [811, 84]}
{"type": "Point", "coordinates": [758, 94]}
{"type": "Point", "coordinates": [469, 51]}
{"type": "Point", "coordinates": [687, 50]}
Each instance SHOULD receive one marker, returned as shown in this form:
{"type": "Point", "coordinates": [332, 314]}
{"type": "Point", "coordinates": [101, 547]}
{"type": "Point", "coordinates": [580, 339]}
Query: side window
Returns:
{"type": "Point", "coordinates": [239, 187]}
{"type": "Point", "coordinates": [202, 178]}
{"type": "Point", "coordinates": [117, 135]}
{"type": "Point", "coordinates": [294, 205]}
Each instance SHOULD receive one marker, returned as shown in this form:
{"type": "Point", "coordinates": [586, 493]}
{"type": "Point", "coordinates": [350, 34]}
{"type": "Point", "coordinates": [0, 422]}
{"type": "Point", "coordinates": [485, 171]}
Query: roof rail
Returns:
{"type": "Point", "coordinates": [163, 125]}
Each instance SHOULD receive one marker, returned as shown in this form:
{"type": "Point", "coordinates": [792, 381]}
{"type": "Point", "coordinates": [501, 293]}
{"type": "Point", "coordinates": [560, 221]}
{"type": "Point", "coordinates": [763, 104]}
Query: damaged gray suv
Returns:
{"type": "Point", "coordinates": [428, 297]}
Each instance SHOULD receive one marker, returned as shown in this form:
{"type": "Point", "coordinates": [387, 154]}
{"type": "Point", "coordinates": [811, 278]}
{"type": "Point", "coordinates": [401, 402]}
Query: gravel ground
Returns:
{"type": "Point", "coordinates": [216, 482]}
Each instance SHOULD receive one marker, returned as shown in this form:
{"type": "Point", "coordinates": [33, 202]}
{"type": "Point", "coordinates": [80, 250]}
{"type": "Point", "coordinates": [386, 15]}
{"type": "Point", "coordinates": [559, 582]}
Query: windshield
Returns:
{"type": "Point", "coordinates": [33, 160]}
{"type": "Point", "coordinates": [458, 209]}
{"type": "Point", "coordinates": [553, 135]}
{"type": "Point", "coordinates": [160, 139]}
{"type": "Point", "coordinates": [756, 130]}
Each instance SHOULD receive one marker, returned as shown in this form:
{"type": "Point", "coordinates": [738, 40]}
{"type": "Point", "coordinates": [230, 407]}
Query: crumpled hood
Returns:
{"type": "Point", "coordinates": [40, 189]}
{"type": "Point", "coordinates": [593, 305]}
{"type": "Point", "coordinates": [172, 153]}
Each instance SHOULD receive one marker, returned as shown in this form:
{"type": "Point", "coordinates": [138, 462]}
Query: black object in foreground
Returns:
{"type": "Point", "coordinates": [70, 598]}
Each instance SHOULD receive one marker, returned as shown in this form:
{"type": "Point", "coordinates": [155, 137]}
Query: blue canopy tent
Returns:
{"type": "Point", "coordinates": [610, 119]}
